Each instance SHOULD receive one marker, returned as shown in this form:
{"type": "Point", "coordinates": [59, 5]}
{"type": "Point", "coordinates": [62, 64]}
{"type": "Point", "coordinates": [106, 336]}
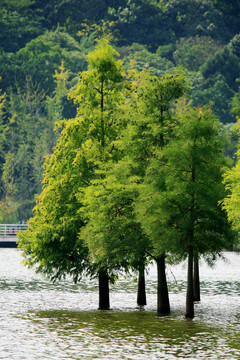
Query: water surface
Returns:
{"type": "Point", "coordinates": [41, 320]}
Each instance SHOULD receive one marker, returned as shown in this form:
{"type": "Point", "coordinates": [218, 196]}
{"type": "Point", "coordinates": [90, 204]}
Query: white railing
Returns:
{"type": "Point", "coordinates": [11, 229]}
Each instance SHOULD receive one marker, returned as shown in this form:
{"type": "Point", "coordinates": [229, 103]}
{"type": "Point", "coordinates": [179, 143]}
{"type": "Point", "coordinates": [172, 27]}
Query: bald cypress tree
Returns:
{"type": "Point", "coordinates": [52, 243]}
{"type": "Point", "coordinates": [185, 210]}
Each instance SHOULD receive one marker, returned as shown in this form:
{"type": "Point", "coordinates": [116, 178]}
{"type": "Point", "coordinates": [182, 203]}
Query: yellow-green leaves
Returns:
{"type": "Point", "coordinates": [103, 61]}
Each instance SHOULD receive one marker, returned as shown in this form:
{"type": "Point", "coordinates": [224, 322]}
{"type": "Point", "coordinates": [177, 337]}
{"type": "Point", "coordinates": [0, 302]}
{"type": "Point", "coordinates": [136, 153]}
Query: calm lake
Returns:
{"type": "Point", "coordinates": [40, 320]}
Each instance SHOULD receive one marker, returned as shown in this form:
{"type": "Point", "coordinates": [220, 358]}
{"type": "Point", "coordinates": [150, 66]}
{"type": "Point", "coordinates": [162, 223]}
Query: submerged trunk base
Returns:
{"type": "Point", "coordinates": [141, 294]}
{"type": "Point", "coordinates": [190, 297]}
{"type": "Point", "coordinates": [103, 282]}
{"type": "Point", "coordinates": [163, 305]}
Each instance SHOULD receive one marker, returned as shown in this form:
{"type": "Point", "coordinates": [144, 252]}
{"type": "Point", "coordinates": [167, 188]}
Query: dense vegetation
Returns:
{"type": "Point", "coordinates": [38, 37]}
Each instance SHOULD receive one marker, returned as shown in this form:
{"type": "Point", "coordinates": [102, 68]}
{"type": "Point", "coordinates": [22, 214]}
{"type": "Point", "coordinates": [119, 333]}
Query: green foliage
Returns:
{"type": "Point", "coordinates": [39, 60]}
{"type": "Point", "coordinates": [26, 123]}
{"type": "Point", "coordinates": [236, 103]}
{"type": "Point", "coordinates": [178, 203]}
{"type": "Point", "coordinates": [41, 57]}
{"type": "Point", "coordinates": [113, 235]}
{"type": "Point", "coordinates": [145, 20]}
{"type": "Point", "coordinates": [3, 137]}
{"type": "Point", "coordinates": [224, 63]}
{"type": "Point", "coordinates": [231, 202]}
{"type": "Point", "coordinates": [231, 11]}
{"type": "Point", "coordinates": [229, 138]}
{"type": "Point", "coordinates": [70, 14]}
{"type": "Point", "coordinates": [30, 137]}
{"type": "Point", "coordinates": [123, 124]}
{"type": "Point", "coordinates": [7, 69]}
{"type": "Point", "coordinates": [166, 51]}
{"type": "Point", "coordinates": [138, 57]}
{"type": "Point", "coordinates": [197, 18]}
{"type": "Point", "coordinates": [97, 94]}
{"type": "Point", "coordinates": [234, 45]}
{"type": "Point", "coordinates": [73, 53]}
{"type": "Point", "coordinates": [18, 24]}
{"type": "Point", "coordinates": [52, 243]}
{"type": "Point", "coordinates": [219, 95]}
{"type": "Point", "coordinates": [192, 52]}
{"type": "Point", "coordinates": [147, 133]}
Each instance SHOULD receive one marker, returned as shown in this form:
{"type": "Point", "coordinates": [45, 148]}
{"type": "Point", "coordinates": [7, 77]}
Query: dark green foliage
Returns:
{"type": "Point", "coordinates": [231, 11]}
{"type": "Point", "coordinates": [30, 137]}
{"type": "Point", "coordinates": [224, 63]}
{"type": "Point", "coordinates": [220, 82]}
{"type": "Point", "coordinates": [26, 122]}
{"type": "Point", "coordinates": [137, 56]}
{"type": "Point", "coordinates": [18, 24]}
{"type": "Point", "coordinates": [218, 94]}
{"type": "Point", "coordinates": [234, 45]}
{"type": "Point", "coordinates": [197, 18]}
{"type": "Point", "coordinates": [144, 21]}
{"type": "Point", "coordinates": [39, 59]}
{"type": "Point", "coordinates": [192, 52]}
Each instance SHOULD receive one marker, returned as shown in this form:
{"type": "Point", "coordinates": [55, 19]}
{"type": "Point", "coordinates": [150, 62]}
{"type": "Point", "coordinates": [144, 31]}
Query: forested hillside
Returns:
{"type": "Point", "coordinates": [43, 48]}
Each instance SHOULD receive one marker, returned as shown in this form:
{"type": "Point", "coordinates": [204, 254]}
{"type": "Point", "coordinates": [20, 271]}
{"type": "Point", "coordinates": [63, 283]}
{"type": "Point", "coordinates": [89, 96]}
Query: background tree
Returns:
{"type": "Point", "coordinates": [17, 15]}
{"type": "Point", "coordinates": [231, 201]}
{"type": "Point", "coordinates": [3, 144]}
{"type": "Point", "coordinates": [192, 52]}
{"type": "Point", "coordinates": [198, 18]}
{"type": "Point", "coordinates": [42, 56]}
{"type": "Point", "coordinates": [144, 20]}
{"type": "Point", "coordinates": [138, 57]}
{"type": "Point", "coordinates": [224, 63]}
{"type": "Point", "coordinates": [231, 10]}
{"type": "Point", "coordinates": [30, 137]}
{"type": "Point", "coordinates": [216, 93]}
{"type": "Point", "coordinates": [26, 121]}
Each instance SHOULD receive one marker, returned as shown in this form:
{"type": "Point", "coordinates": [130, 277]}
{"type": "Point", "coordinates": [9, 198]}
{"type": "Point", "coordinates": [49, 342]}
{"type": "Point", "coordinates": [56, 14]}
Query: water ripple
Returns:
{"type": "Point", "coordinates": [41, 320]}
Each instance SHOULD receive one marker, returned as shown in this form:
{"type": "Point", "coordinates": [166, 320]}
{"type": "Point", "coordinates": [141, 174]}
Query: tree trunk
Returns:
{"type": "Point", "coordinates": [163, 306]}
{"type": "Point", "coordinates": [141, 294]}
{"type": "Point", "coordinates": [189, 298]}
{"type": "Point", "coordinates": [103, 282]}
{"type": "Point", "coordinates": [196, 282]}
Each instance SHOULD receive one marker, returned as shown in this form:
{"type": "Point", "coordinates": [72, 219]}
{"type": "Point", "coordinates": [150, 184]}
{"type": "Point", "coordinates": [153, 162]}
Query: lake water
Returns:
{"type": "Point", "coordinates": [40, 320]}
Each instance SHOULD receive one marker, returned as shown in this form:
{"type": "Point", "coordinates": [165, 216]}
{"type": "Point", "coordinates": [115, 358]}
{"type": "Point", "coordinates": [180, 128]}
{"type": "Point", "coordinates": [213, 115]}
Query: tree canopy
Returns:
{"type": "Point", "coordinates": [135, 175]}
